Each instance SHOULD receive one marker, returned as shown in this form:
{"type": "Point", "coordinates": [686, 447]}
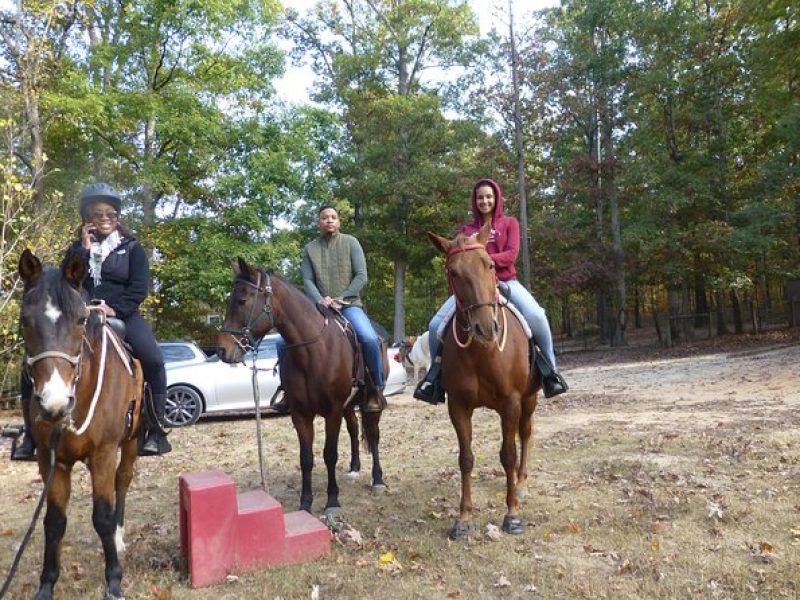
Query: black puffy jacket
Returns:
{"type": "Point", "coordinates": [125, 276]}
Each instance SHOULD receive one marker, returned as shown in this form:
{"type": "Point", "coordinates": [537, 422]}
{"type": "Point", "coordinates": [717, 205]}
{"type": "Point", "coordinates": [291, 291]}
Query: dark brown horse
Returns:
{"type": "Point", "coordinates": [87, 391]}
{"type": "Point", "coordinates": [485, 363]}
{"type": "Point", "coordinates": [316, 373]}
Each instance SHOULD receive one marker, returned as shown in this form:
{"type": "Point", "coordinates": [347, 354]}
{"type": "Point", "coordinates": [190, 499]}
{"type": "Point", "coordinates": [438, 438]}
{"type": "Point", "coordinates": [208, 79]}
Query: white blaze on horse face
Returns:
{"type": "Point", "coordinates": [55, 395]}
{"type": "Point", "coordinates": [51, 311]}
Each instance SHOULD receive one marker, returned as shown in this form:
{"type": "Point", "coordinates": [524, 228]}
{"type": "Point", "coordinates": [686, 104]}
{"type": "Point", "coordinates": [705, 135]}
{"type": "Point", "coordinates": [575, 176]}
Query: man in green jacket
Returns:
{"type": "Point", "coordinates": [334, 273]}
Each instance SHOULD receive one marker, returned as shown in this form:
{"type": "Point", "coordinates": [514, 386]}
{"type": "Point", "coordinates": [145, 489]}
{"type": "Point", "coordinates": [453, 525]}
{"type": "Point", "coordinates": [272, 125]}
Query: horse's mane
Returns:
{"type": "Point", "coordinates": [462, 239]}
{"type": "Point", "coordinates": [52, 282]}
{"type": "Point", "coordinates": [297, 292]}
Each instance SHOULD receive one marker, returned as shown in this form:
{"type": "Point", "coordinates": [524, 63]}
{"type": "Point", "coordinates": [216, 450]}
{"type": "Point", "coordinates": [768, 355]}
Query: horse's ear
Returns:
{"type": "Point", "coordinates": [443, 244]}
{"type": "Point", "coordinates": [243, 268]}
{"type": "Point", "coordinates": [483, 235]}
{"type": "Point", "coordinates": [74, 270]}
{"type": "Point", "coordinates": [30, 267]}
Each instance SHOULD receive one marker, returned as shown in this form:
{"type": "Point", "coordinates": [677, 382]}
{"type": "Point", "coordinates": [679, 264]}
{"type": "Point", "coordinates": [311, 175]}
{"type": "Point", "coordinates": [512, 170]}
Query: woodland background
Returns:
{"type": "Point", "coordinates": [649, 147]}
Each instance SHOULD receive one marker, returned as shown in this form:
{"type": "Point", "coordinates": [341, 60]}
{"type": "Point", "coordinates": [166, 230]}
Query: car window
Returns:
{"type": "Point", "coordinates": [177, 352]}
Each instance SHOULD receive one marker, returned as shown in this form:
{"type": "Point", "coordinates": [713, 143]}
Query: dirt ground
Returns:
{"type": "Point", "coordinates": [662, 474]}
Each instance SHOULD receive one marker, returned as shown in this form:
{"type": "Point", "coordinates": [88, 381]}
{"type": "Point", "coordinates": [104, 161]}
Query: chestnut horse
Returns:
{"type": "Point", "coordinates": [485, 363]}
{"type": "Point", "coordinates": [86, 402]}
{"type": "Point", "coordinates": [316, 371]}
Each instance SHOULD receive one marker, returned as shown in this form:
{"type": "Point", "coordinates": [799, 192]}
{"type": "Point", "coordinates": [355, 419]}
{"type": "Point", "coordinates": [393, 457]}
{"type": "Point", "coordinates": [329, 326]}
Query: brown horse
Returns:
{"type": "Point", "coordinates": [86, 402]}
{"type": "Point", "coordinates": [316, 371]}
{"type": "Point", "coordinates": [485, 363]}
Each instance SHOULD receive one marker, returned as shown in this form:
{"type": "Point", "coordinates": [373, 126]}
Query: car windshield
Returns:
{"type": "Point", "coordinates": [175, 352]}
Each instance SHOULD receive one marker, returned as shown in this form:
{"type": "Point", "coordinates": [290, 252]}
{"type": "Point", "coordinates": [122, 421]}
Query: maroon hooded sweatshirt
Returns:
{"type": "Point", "coordinates": [503, 245]}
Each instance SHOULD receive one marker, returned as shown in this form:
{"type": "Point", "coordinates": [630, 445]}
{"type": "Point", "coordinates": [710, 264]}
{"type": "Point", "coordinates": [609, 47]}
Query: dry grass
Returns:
{"type": "Point", "coordinates": [639, 489]}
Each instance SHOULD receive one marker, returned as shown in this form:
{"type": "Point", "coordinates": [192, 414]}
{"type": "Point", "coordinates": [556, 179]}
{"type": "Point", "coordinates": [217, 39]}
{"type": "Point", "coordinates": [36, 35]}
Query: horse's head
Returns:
{"type": "Point", "coordinates": [472, 279]}
{"type": "Point", "coordinates": [249, 316]}
{"type": "Point", "coordinates": [53, 317]}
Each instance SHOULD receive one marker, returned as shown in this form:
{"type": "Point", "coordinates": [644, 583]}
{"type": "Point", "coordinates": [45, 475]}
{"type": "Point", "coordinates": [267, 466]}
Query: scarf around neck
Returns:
{"type": "Point", "coordinates": [99, 251]}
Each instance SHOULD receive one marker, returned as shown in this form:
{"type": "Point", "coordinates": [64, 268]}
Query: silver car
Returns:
{"type": "Point", "coordinates": [198, 385]}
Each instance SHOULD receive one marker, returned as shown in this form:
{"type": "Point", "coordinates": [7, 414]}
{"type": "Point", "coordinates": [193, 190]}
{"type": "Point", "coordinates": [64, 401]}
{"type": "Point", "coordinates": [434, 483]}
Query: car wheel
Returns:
{"type": "Point", "coordinates": [184, 406]}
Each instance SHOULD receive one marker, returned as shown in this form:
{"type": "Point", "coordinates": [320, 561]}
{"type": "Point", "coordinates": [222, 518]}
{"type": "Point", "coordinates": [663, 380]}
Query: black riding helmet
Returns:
{"type": "Point", "coordinates": [98, 192]}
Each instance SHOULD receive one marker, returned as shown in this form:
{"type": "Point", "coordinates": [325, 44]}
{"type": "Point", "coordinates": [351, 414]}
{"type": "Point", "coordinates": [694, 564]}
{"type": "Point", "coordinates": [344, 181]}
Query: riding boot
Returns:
{"type": "Point", "coordinates": [430, 389]}
{"type": "Point", "coordinates": [553, 383]}
{"type": "Point", "coordinates": [25, 449]}
{"type": "Point", "coordinates": [157, 442]}
{"type": "Point", "coordinates": [281, 406]}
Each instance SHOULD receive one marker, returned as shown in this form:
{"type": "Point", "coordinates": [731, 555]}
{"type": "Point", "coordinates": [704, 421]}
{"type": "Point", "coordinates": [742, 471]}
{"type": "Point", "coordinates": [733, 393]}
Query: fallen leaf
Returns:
{"type": "Point", "coordinates": [574, 527]}
{"type": "Point", "coordinates": [7, 532]}
{"type": "Point", "coordinates": [386, 558]}
{"type": "Point", "coordinates": [493, 532]}
{"type": "Point", "coordinates": [160, 593]}
{"type": "Point", "coordinates": [455, 594]}
{"type": "Point", "coordinates": [713, 510]}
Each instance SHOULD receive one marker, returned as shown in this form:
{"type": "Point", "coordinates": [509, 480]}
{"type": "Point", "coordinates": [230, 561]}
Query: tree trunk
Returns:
{"type": "Point", "coordinates": [722, 325]}
{"type": "Point", "coordinates": [700, 303]}
{"type": "Point", "coordinates": [400, 265]}
{"type": "Point", "coordinates": [520, 152]}
{"type": "Point", "coordinates": [738, 322]}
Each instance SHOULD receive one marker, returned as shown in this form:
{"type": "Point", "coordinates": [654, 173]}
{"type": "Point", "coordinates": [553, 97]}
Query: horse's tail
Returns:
{"type": "Point", "coordinates": [370, 432]}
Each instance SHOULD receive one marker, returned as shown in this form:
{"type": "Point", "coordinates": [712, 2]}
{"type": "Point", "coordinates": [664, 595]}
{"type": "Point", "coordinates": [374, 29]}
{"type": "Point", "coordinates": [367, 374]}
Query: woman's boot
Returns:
{"type": "Point", "coordinates": [26, 448]}
{"type": "Point", "coordinates": [156, 442]}
{"type": "Point", "coordinates": [430, 389]}
{"type": "Point", "coordinates": [553, 383]}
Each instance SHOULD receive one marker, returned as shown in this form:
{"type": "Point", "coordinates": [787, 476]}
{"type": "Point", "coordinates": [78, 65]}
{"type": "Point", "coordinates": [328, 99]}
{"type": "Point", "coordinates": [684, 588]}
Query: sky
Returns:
{"type": "Point", "coordinates": [293, 87]}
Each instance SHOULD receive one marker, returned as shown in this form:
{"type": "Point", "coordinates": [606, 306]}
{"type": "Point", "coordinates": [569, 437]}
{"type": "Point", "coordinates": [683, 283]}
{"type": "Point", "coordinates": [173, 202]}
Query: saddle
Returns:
{"type": "Point", "coordinates": [360, 373]}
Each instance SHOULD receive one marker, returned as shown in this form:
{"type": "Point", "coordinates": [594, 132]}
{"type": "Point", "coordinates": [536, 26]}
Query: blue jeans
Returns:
{"type": "Point", "coordinates": [370, 343]}
{"type": "Point", "coordinates": [527, 305]}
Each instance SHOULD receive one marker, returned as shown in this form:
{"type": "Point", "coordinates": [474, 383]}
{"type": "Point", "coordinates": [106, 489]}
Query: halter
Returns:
{"type": "Point", "coordinates": [75, 360]}
{"type": "Point", "coordinates": [243, 336]}
{"type": "Point", "coordinates": [470, 307]}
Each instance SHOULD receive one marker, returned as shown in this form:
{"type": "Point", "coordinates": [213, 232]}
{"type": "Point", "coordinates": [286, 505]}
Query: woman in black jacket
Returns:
{"type": "Point", "coordinates": [119, 279]}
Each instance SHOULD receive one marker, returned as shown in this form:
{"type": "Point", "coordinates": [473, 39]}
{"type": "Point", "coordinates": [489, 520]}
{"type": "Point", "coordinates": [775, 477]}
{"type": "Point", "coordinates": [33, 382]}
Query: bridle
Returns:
{"type": "Point", "coordinates": [467, 310]}
{"type": "Point", "coordinates": [77, 362]}
{"type": "Point", "coordinates": [243, 336]}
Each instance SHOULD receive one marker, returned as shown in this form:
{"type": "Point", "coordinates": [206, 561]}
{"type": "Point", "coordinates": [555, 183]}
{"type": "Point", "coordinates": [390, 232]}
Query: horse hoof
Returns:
{"type": "Point", "coordinates": [332, 519]}
{"type": "Point", "coordinates": [379, 489]}
{"type": "Point", "coordinates": [513, 525]}
{"type": "Point", "coordinates": [461, 530]}
{"type": "Point", "coordinates": [109, 595]}
{"type": "Point", "coordinates": [352, 475]}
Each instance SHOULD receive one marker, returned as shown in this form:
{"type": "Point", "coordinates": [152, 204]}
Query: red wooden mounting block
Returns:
{"type": "Point", "coordinates": [222, 533]}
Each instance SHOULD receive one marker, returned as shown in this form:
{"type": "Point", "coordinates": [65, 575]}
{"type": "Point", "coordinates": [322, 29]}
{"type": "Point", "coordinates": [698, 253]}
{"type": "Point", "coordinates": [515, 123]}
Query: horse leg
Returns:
{"type": "Point", "coordinates": [333, 425]}
{"type": "Point", "coordinates": [121, 484]}
{"type": "Point", "coordinates": [461, 417]}
{"type": "Point", "coordinates": [304, 426]}
{"type": "Point", "coordinates": [102, 465]}
{"type": "Point", "coordinates": [372, 433]}
{"type": "Point", "coordinates": [352, 429]}
{"type": "Point", "coordinates": [55, 522]}
{"type": "Point", "coordinates": [525, 431]}
{"type": "Point", "coordinates": [509, 420]}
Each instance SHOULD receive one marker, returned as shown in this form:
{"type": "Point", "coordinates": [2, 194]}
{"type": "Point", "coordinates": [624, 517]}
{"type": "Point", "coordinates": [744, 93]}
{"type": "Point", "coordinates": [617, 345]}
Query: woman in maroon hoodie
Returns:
{"type": "Point", "coordinates": [503, 247]}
